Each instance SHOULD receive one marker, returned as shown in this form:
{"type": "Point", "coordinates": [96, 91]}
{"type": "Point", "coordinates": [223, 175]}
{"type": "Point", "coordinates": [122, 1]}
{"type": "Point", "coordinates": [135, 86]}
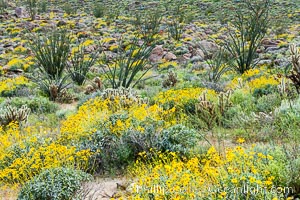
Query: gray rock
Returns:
{"type": "Point", "coordinates": [208, 46]}
{"type": "Point", "coordinates": [61, 23]}
{"type": "Point", "coordinates": [80, 25]}
{"type": "Point", "coordinates": [158, 50]}
{"type": "Point", "coordinates": [273, 48]}
{"type": "Point", "coordinates": [19, 11]}
{"type": "Point", "coordinates": [156, 54]}
{"type": "Point", "coordinates": [170, 56]}
{"type": "Point", "coordinates": [196, 59]}
{"type": "Point", "coordinates": [263, 62]}
{"type": "Point", "coordinates": [282, 62]}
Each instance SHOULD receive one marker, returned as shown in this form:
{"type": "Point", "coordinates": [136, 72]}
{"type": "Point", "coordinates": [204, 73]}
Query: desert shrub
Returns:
{"type": "Point", "coordinates": [3, 6]}
{"type": "Point", "coordinates": [246, 101]}
{"type": "Point", "coordinates": [218, 64]}
{"type": "Point", "coordinates": [42, 8]}
{"type": "Point", "coordinates": [32, 8]}
{"type": "Point", "coordinates": [99, 10]}
{"type": "Point", "coordinates": [147, 22]}
{"type": "Point", "coordinates": [216, 175]}
{"type": "Point", "coordinates": [80, 64]}
{"type": "Point", "coordinates": [267, 103]}
{"type": "Point", "coordinates": [130, 66]}
{"type": "Point", "coordinates": [248, 24]}
{"type": "Point", "coordinates": [54, 183]}
{"type": "Point", "coordinates": [51, 52]}
{"type": "Point", "coordinates": [112, 152]}
{"type": "Point", "coordinates": [69, 8]}
{"type": "Point", "coordinates": [178, 139]}
{"type": "Point", "coordinates": [287, 120]}
{"type": "Point", "coordinates": [37, 105]}
{"type": "Point", "coordinates": [267, 89]}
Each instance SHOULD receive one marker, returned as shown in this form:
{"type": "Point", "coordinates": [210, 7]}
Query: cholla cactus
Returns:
{"type": "Point", "coordinates": [171, 80]}
{"type": "Point", "coordinates": [295, 72]}
{"type": "Point", "coordinates": [127, 96]}
{"type": "Point", "coordinates": [224, 101]}
{"type": "Point", "coordinates": [210, 112]}
{"type": "Point", "coordinates": [94, 86]}
{"type": "Point", "coordinates": [11, 114]}
{"type": "Point", "coordinates": [251, 119]}
{"type": "Point", "coordinates": [206, 111]}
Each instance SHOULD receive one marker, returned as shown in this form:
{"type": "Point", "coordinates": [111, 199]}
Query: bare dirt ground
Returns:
{"type": "Point", "coordinates": [104, 188]}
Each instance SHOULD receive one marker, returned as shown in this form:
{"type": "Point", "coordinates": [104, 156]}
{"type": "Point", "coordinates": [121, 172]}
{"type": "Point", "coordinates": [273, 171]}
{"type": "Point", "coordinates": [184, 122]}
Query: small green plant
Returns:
{"type": "Point", "coordinates": [99, 10]}
{"type": "Point", "coordinates": [55, 184]}
{"type": "Point", "coordinates": [178, 139]}
{"type": "Point", "coordinates": [69, 9]}
{"type": "Point", "coordinates": [37, 105]}
{"type": "Point", "coordinates": [245, 30]}
{"type": "Point", "coordinates": [175, 29]}
{"type": "Point", "coordinates": [80, 64]}
{"type": "Point", "coordinates": [32, 8]}
{"type": "Point", "coordinates": [43, 6]}
{"type": "Point", "coordinates": [218, 64]}
{"type": "Point", "coordinates": [123, 71]}
{"type": "Point", "coordinates": [147, 23]}
{"type": "Point", "coordinates": [3, 6]}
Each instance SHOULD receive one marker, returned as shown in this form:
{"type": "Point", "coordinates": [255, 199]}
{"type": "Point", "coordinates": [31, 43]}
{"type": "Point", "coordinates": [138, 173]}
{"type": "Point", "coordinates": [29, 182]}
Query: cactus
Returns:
{"type": "Point", "coordinates": [64, 97]}
{"type": "Point", "coordinates": [13, 114]}
{"type": "Point", "coordinates": [171, 80]}
{"type": "Point", "coordinates": [224, 101]}
{"type": "Point", "coordinates": [295, 71]}
{"type": "Point", "coordinates": [206, 111]}
{"type": "Point", "coordinates": [127, 96]}
{"type": "Point", "coordinates": [94, 86]}
{"type": "Point", "coordinates": [210, 112]}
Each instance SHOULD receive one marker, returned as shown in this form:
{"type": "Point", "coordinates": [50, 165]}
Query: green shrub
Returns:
{"type": "Point", "coordinates": [80, 65]}
{"type": "Point", "coordinates": [268, 89]}
{"type": "Point", "coordinates": [37, 105]}
{"type": "Point", "coordinates": [99, 10]}
{"type": "Point", "coordinates": [112, 152]}
{"type": "Point", "coordinates": [54, 184]}
{"type": "Point", "coordinates": [179, 139]}
{"type": "Point", "coordinates": [3, 7]}
{"type": "Point", "coordinates": [69, 9]}
{"type": "Point", "coordinates": [32, 8]}
{"type": "Point", "coordinates": [129, 67]}
{"type": "Point", "coordinates": [246, 27]}
{"type": "Point", "coordinates": [51, 52]}
{"type": "Point", "coordinates": [147, 22]}
{"type": "Point", "coordinates": [43, 6]}
{"type": "Point", "coordinates": [267, 103]}
{"type": "Point", "coordinates": [246, 101]}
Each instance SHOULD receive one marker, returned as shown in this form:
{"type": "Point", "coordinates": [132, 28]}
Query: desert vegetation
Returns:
{"type": "Point", "coordinates": [176, 99]}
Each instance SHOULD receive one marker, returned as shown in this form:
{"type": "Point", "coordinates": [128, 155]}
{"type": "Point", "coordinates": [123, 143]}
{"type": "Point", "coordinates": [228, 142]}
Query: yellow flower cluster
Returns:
{"type": "Point", "coordinates": [262, 81]}
{"type": "Point", "coordinates": [24, 153]}
{"type": "Point", "coordinates": [11, 84]}
{"type": "Point", "coordinates": [214, 175]}
{"type": "Point", "coordinates": [98, 113]}
{"type": "Point", "coordinates": [183, 95]}
{"type": "Point", "coordinates": [251, 80]}
{"type": "Point", "coordinates": [167, 64]}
